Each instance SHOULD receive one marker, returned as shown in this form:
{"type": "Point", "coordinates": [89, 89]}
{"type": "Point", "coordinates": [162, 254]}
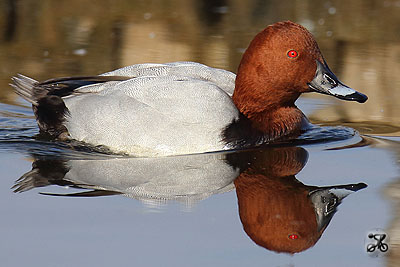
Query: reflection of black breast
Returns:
{"type": "Point", "coordinates": [288, 159]}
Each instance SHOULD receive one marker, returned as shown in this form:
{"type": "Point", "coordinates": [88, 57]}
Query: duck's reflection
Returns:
{"type": "Point", "coordinates": [277, 211]}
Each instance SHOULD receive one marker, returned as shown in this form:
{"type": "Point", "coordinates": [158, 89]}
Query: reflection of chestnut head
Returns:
{"type": "Point", "coordinates": [277, 211]}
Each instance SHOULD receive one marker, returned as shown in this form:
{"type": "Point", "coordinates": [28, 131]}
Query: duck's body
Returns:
{"type": "Point", "coordinates": [187, 107]}
{"type": "Point", "coordinates": [159, 109]}
{"type": "Point", "coordinates": [163, 109]}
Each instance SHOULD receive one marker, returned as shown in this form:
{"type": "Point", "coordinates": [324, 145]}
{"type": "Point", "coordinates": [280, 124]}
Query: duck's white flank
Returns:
{"type": "Point", "coordinates": [165, 109]}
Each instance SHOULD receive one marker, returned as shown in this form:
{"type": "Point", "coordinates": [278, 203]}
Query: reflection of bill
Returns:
{"type": "Point", "coordinates": [376, 243]}
{"type": "Point", "coordinates": [279, 212]}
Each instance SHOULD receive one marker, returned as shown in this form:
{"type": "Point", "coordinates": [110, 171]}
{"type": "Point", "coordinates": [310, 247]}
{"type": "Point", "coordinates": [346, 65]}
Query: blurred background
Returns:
{"type": "Point", "coordinates": [359, 39]}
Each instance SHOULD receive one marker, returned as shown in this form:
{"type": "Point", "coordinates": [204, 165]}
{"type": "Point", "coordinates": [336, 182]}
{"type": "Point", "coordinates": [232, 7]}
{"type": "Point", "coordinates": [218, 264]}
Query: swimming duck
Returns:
{"type": "Point", "coordinates": [187, 107]}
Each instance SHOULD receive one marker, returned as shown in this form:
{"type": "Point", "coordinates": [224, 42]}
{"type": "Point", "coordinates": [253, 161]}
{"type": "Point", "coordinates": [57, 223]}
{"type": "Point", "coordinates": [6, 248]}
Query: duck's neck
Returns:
{"type": "Point", "coordinates": [270, 110]}
{"type": "Point", "coordinates": [279, 122]}
{"type": "Point", "coordinates": [258, 125]}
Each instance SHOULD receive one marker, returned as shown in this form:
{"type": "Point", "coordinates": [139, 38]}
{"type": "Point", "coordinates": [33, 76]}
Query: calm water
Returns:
{"type": "Point", "coordinates": [307, 205]}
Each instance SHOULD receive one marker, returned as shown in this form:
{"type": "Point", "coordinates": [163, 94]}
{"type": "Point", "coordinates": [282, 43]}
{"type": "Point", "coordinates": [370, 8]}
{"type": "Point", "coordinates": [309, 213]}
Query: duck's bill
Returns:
{"type": "Point", "coordinates": [325, 82]}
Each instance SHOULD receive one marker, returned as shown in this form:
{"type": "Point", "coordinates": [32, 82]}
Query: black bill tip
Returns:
{"type": "Point", "coordinates": [362, 98]}
{"type": "Point", "coordinates": [357, 96]}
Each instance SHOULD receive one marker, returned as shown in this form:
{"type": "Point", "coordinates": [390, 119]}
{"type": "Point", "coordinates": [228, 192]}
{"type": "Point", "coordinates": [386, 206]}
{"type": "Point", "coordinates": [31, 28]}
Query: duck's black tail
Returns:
{"type": "Point", "coordinates": [50, 110]}
{"type": "Point", "coordinates": [24, 87]}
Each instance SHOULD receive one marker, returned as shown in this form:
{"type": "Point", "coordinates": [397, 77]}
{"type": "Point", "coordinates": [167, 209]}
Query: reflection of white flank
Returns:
{"type": "Point", "coordinates": [341, 90]}
{"type": "Point", "coordinates": [187, 179]}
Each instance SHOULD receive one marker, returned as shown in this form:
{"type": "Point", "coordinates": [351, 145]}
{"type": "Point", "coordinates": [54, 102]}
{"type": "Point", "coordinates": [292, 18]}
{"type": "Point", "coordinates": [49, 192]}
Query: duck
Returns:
{"type": "Point", "coordinates": [179, 108]}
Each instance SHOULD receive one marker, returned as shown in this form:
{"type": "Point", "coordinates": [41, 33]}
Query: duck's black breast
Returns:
{"type": "Point", "coordinates": [240, 134]}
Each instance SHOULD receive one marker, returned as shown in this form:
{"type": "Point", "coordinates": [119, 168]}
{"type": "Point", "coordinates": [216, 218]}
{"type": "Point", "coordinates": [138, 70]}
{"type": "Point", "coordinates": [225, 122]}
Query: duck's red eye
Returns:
{"type": "Point", "coordinates": [293, 236]}
{"type": "Point", "coordinates": [292, 53]}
